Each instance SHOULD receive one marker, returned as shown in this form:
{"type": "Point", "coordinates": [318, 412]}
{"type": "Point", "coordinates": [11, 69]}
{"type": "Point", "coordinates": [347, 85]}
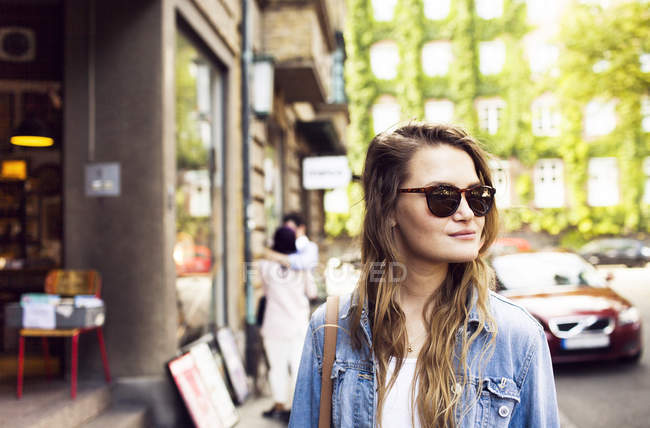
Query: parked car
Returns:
{"type": "Point", "coordinates": [582, 317]}
{"type": "Point", "coordinates": [508, 245]}
{"type": "Point", "coordinates": [626, 251]}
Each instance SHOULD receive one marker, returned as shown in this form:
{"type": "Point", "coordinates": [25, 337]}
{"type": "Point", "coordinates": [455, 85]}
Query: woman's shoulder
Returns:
{"type": "Point", "coordinates": [513, 319]}
{"type": "Point", "coordinates": [318, 317]}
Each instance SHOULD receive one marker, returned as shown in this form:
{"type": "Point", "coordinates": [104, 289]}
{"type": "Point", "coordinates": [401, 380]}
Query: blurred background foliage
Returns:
{"type": "Point", "coordinates": [589, 34]}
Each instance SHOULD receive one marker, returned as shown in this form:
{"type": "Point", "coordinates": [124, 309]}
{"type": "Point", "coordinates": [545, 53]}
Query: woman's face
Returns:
{"type": "Point", "coordinates": [420, 235]}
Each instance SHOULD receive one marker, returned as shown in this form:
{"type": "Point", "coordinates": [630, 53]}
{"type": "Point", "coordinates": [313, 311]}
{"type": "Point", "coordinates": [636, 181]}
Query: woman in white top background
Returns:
{"type": "Point", "coordinates": [285, 320]}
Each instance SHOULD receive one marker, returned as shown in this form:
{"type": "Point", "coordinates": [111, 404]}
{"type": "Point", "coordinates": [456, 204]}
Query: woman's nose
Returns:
{"type": "Point", "coordinates": [464, 212]}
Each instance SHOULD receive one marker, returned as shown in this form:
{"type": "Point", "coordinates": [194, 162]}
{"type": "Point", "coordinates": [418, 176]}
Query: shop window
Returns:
{"type": "Point", "coordinates": [548, 179]}
{"type": "Point", "coordinates": [603, 182]}
{"type": "Point", "coordinates": [439, 111]}
{"type": "Point", "coordinates": [198, 254]}
{"type": "Point", "coordinates": [436, 9]}
{"type": "Point", "coordinates": [492, 57]}
{"type": "Point", "coordinates": [385, 113]}
{"type": "Point", "coordinates": [490, 112]}
{"type": "Point", "coordinates": [645, 113]}
{"type": "Point", "coordinates": [383, 10]}
{"type": "Point", "coordinates": [546, 117]}
{"type": "Point", "coordinates": [489, 9]}
{"type": "Point", "coordinates": [384, 59]}
{"type": "Point", "coordinates": [501, 180]}
{"type": "Point", "coordinates": [644, 62]}
{"type": "Point", "coordinates": [600, 118]}
{"type": "Point", "coordinates": [646, 171]}
{"type": "Point", "coordinates": [436, 57]}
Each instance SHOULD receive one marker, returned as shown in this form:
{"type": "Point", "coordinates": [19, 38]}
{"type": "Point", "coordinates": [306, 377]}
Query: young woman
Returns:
{"type": "Point", "coordinates": [423, 341]}
{"type": "Point", "coordinates": [285, 320]}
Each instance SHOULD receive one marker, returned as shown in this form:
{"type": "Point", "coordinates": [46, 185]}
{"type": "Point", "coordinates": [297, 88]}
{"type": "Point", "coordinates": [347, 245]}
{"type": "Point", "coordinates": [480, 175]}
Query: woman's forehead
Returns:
{"type": "Point", "coordinates": [441, 164]}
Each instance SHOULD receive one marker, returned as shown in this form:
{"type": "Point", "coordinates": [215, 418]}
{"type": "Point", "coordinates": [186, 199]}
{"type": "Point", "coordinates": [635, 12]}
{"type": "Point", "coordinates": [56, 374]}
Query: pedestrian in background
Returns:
{"type": "Point", "coordinates": [423, 341]}
{"type": "Point", "coordinates": [285, 320]}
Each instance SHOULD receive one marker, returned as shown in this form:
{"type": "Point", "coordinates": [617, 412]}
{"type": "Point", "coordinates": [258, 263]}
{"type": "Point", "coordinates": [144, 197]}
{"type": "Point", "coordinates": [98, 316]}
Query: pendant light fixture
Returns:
{"type": "Point", "coordinates": [32, 133]}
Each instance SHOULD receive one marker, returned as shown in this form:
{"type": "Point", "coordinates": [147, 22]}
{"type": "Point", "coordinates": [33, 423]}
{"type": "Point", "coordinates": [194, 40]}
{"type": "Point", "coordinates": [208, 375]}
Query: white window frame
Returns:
{"type": "Point", "coordinates": [542, 57]}
{"type": "Point", "coordinates": [546, 117]}
{"type": "Point", "coordinates": [599, 118]}
{"type": "Point", "coordinates": [436, 58]}
{"type": "Point", "coordinates": [384, 59]}
{"type": "Point", "coordinates": [548, 179]}
{"type": "Point", "coordinates": [383, 10]}
{"type": "Point", "coordinates": [489, 9]}
{"type": "Point", "coordinates": [439, 111]}
{"type": "Point", "coordinates": [490, 112]}
{"type": "Point", "coordinates": [386, 113]}
{"type": "Point", "coordinates": [603, 186]}
{"type": "Point", "coordinates": [436, 9]}
{"type": "Point", "coordinates": [492, 57]}
{"type": "Point", "coordinates": [501, 180]}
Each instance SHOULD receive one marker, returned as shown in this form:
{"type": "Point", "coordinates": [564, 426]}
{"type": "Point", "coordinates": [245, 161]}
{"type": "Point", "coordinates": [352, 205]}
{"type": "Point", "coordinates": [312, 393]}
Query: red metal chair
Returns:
{"type": "Point", "coordinates": [65, 283]}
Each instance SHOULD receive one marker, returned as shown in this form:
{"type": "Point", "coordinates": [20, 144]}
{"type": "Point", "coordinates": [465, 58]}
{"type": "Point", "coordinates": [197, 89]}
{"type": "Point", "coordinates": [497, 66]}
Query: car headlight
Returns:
{"type": "Point", "coordinates": [629, 316]}
{"type": "Point", "coordinates": [645, 251]}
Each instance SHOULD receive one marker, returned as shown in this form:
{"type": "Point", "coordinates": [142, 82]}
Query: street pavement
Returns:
{"type": "Point", "coordinates": [250, 413]}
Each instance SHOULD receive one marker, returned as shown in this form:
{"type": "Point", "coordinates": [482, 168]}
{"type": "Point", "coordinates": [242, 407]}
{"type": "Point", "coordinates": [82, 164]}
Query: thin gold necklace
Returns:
{"type": "Point", "coordinates": [411, 345]}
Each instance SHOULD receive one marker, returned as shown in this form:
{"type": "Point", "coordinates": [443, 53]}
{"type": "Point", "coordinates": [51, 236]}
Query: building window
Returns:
{"type": "Point", "coordinates": [501, 180]}
{"type": "Point", "coordinates": [646, 171]}
{"type": "Point", "coordinates": [548, 178]}
{"type": "Point", "coordinates": [383, 9]}
{"type": "Point", "coordinates": [492, 56]}
{"type": "Point", "coordinates": [436, 9]}
{"type": "Point", "coordinates": [542, 57]}
{"type": "Point", "coordinates": [644, 61]}
{"type": "Point", "coordinates": [542, 11]}
{"type": "Point", "coordinates": [384, 58]}
{"type": "Point", "coordinates": [603, 182]}
{"type": "Point", "coordinates": [439, 111]}
{"type": "Point", "coordinates": [490, 112]}
{"type": "Point", "coordinates": [489, 9]}
{"type": "Point", "coordinates": [645, 113]}
{"type": "Point", "coordinates": [385, 113]}
{"type": "Point", "coordinates": [546, 117]}
{"type": "Point", "coordinates": [436, 57]}
{"type": "Point", "coordinates": [600, 118]}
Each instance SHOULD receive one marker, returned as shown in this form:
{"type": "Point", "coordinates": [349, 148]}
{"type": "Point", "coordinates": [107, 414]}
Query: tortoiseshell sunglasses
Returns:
{"type": "Point", "coordinates": [444, 199]}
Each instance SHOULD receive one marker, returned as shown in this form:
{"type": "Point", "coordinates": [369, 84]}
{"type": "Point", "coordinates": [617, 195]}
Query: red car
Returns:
{"type": "Point", "coordinates": [583, 318]}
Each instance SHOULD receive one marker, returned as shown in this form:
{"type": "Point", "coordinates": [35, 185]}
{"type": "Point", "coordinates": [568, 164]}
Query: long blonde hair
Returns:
{"type": "Point", "coordinates": [385, 169]}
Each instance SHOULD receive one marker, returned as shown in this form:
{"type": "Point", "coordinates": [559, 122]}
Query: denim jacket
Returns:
{"type": "Point", "coordinates": [517, 388]}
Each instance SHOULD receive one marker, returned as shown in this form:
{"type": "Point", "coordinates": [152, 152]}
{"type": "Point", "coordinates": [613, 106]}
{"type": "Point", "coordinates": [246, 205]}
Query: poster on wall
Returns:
{"type": "Point", "coordinates": [234, 366]}
{"type": "Point", "coordinates": [214, 384]}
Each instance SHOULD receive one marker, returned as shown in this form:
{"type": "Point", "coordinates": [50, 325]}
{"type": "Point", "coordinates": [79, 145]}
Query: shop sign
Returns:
{"type": "Point", "coordinates": [325, 172]}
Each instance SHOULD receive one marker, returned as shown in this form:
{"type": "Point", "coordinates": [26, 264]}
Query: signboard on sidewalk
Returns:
{"type": "Point", "coordinates": [325, 172]}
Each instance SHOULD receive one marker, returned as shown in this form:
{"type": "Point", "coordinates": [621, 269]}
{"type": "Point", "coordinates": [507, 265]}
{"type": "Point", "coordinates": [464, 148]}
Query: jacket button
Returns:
{"type": "Point", "coordinates": [504, 411]}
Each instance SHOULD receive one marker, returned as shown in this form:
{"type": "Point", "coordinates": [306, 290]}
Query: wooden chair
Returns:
{"type": "Point", "coordinates": [65, 283]}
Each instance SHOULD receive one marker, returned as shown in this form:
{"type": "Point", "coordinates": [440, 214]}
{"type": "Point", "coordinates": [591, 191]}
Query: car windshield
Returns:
{"type": "Point", "coordinates": [543, 270]}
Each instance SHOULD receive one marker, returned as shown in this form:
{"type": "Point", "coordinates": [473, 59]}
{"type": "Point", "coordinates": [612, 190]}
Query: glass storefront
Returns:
{"type": "Point", "coordinates": [198, 252]}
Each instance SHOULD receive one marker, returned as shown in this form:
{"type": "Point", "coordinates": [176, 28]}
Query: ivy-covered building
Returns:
{"type": "Point", "coordinates": [564, 108]}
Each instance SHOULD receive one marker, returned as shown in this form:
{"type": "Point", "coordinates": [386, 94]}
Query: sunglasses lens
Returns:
{"type": "Point", "coordinates": [443, 201]}
{"type": "Point", "coordinates": [480, 200]}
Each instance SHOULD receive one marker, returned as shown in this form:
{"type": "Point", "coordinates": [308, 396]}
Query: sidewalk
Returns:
{"type": "Point", "coordinates": [250, 413]}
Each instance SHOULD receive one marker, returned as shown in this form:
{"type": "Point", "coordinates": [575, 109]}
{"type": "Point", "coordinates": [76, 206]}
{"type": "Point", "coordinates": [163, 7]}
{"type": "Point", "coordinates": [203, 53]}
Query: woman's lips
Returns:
{"type": "Point", "coordinates": [464, 235]}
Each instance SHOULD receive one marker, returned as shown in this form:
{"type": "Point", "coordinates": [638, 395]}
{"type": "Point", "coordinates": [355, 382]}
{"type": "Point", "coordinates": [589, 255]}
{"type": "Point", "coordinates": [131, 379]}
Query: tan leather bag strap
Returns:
{"type": "Point", "coordinates": [329, 353]}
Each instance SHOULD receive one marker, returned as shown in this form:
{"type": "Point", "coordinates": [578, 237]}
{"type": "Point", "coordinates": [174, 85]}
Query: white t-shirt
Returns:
{"type": "Point", "coordinates": [397, 404]}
